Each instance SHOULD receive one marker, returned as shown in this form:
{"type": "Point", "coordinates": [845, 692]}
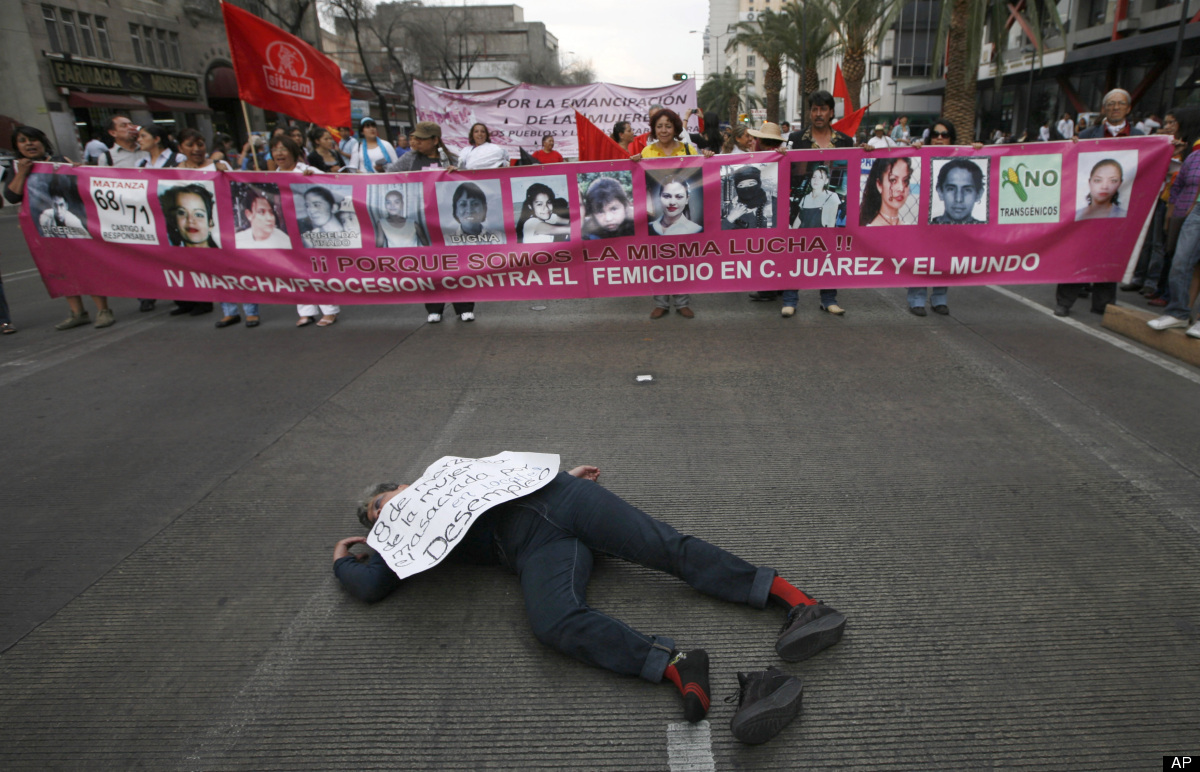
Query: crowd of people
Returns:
{"type": "Point", "coordinates": [1161, 277]}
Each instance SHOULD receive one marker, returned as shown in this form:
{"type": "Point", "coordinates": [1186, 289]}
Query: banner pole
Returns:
{"type": "Point", "coordinates": [250, 135]}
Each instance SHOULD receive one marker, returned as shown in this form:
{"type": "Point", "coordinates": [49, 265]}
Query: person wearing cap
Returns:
{"type": "Point", "coordinates": [881, 140]}
{"type": "Point", "coordinates": [372, 153]}
{"type": "Point", "coordinates": [426, 150]}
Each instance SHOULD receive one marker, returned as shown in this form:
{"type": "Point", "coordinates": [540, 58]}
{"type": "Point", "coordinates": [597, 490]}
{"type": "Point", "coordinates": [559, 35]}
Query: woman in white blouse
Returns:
{"type": "Point", "coordinates": [372, 153]}
{"type": "Point", "coordinates": [482, 153]}
{"type": "Point", "coordinates": [154, 140]}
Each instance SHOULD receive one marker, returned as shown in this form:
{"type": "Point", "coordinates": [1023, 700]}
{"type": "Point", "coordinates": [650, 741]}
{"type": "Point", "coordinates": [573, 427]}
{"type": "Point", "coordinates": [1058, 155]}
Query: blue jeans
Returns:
{"type": "Point", "coordinates": [664, 301]}
{"type": "Point", "coordinates": [548, 538]}
{"type": "Point", "coordinates": [231, 309]}
{"type": "Point", "coordinates": [1187, 252]}
{"type": "Point", "coordinates": [792, 298]}
{"type": "Point", "coordinates": [916, 297]}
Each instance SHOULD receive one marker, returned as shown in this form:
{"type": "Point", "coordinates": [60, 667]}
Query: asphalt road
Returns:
{"type": "Point", "coordinates": [1003, 503]}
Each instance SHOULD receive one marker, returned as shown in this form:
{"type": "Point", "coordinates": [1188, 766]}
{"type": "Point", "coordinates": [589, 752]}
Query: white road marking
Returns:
{"type": "Point", "coordinates": [1120, 343]}
{"type": "Point", "coordinates": [28, 273]}
{"type": "Point", "coordinates": [689, 747]}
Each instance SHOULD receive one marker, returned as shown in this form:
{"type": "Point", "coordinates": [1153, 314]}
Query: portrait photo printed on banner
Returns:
{"type": "Point", "coordinates": [959, 195]}
{"type": "Point", "coordinates": [891, 191]}
{"type": "Point", "coordinates": [190, 213]}
{"type": "Point", "coordinates": [398, 215]}
{"type": "Point", "coordinates": [1104, 184]}
{"type": "Point", "coordinates": [471, 212]}
{"type": "Point", "coordinates": [541, 209]}
{"type": "Point", "coordinates": [258, 216]}
{"type": "Point", "coordinates": [749, 196]}
{"type": "Point", "coordinates": [675, 201]}
{"type": "Point", "coordinates": [607, 204]}
{"type": "Point", "coordinates": [325, 216]}
{"type": "Point", "coordinates": [55, 202]}
{"type": "Point", "coordinates": [818, 194]}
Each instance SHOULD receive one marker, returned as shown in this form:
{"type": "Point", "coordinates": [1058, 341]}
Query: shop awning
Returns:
{"type": "Point", "coordinates": [91, 99]}
{"type": "Point", "coordinates": [177, 106]}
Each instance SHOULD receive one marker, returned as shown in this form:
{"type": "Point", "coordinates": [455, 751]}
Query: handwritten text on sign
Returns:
{"type": "Point", "coordinates": [419, 527]}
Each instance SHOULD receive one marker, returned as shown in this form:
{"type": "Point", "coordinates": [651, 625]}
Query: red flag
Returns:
{"type": "Point", "coordinates": [594, 144]}
{"type": "Point", "coordinates": [839, 84]}
{"type": "Point", "coordinates": [278, 71]}
{"type": "Point", "coordinates": [849, 124]}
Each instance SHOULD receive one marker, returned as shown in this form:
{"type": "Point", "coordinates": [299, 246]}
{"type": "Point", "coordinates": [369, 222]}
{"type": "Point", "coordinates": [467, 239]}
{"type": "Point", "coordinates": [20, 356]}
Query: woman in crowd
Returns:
{"type": "Point", "coordinates": [372, 154]}
{"type": "Point", "coordinates": [674, 198]}
{"type": "Point", "coordinates": [740, 140]}
{"type": "Point", "coordinates": [607, 209]}
{"type": "Point", "coordinates": [254, 155]}
{"type": "Point", "coordinates": [666, 126]}
{"type": "Point", "coordinates": [547, 155]}
{"type": "Point", "coordinates": [325, 156]}
{"type": "Point", "coordinates": [710, 138]}
{"type": "Point", "coordinates": [222, 149]}
{"type": "Point", "coordinates": [1183, 226]}
{"type": "Point", "coordinates": [195, 152]}
{"type": "Point", "coordinates": [296, 134]}
{"type": "Point", "coordinates": [153, 139]}
{"type": "Point", "coordinates": [1104, 187]}
{"type": "Point", "coordinates": [394, 230]}
{"type": "Point", "coordinates": [425, 150]}
{"type": "Point", "coordinates": [482, 153]}
{"type": "Point", "coordinates": [1183, 124]}
{"type": "Point", "coordinates": [287, 155]}
{"type": "Point", "coordinates": [538, 223]}
{"type": "Point", "coordinates": [32, 145]}
{"type": "Point", "coordinates": [622, 134]}
{"type": "Point", "coordinates": [885, 192]}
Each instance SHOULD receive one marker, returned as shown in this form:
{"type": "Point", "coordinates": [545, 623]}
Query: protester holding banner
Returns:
{"type": "Point", "coordinates": [426, 150]}
{"type": "Point", "coordinates": [482, 153]}
{"type": "Point", "coordinates": [160, 153]}
{"type": "Point", "coordinates": [549, 537]}
{"type": "Point", "coordinates": [941, 134]}
{"type": "Point", "coordinates": [325, 156]}
{"type": "Point", "coordinates": [287, 154]}
{"type": "Point", "coordinates": [667, 126]}
{"type": "Point", "coordinates": [195, 152]}
{"type": "Point", "coordinates": [710, 138]}
{"type": "Point", "coordinates": [548, 155]}
{"type": "Point", "coordinates": [622, 134]}
{"type": "Point", "coordinates": [372, 153]}
{"type": "Point", "coordinates": [740, 140]}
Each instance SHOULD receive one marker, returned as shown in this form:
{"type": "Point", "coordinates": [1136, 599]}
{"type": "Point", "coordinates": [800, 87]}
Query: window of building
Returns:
{"type": "Point", "coordinates": [176, 57]}
{"type": "Point", "coordinates": [85, 34]}
{"type": "Point", "coordinates": [915, 36]}
{"type": "Point", "coordinates": [135, 34]}
{"type": "Point", "coordinates": [102, 37]}
{"type": "Point", "coordinates": [163, 57]}
{"type": "Point", "coordinates": [148, 46]}
{"type": "Point", "coordinates": [68, 28]}
{"type": "Point", "coordinates": [750, 75]}
{"type": "Point", "coordinates": [51, 19]}
{"type": "Point", "coordinates": [750, 60]}
{"type": "Point", "coordinates": [1092, 12]}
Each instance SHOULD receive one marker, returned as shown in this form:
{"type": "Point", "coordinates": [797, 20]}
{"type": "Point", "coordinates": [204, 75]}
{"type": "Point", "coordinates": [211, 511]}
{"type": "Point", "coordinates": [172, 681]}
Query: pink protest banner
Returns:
{"type": "Point", "coordinates": [1037, 213]}
{"type": "Point", "coordinates": [520, 116]}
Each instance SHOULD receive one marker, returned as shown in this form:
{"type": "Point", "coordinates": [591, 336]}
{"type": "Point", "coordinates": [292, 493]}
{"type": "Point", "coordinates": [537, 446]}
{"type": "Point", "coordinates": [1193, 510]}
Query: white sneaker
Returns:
{"type": "Point", "coordinates": [467, 316]}
{"type": "Point", "coordinates": [1193, 331]}
{"type": "Point", "coordinates": [433, 318]}
{"type": "Point", "coordinates": [788, 310]}
{"type": "Point", "coordinates": [1166, 322]}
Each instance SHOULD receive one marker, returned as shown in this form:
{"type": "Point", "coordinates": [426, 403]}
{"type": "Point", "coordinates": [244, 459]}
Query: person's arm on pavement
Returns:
{"type": "Point", "coordinates": [366, 576]}
{"type": "Point", "coordinates": [585, 472]}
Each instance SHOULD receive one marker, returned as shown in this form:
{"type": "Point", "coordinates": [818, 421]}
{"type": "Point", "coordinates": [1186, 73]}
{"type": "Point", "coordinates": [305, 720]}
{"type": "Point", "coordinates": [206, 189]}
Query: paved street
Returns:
{"type": "Point", "coordinates": [1006, 505]}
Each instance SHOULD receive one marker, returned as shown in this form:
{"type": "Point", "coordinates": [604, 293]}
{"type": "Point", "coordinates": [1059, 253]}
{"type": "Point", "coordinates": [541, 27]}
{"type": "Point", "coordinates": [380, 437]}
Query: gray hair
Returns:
{"type": "Point", "coordinates": [1114, 92]}
{"type": "Point", "coordinates": [367, 496]}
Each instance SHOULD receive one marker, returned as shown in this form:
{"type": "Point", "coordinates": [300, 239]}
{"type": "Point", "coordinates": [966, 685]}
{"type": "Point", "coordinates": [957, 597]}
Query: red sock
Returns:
{"type": "Point", "coordinates": [785, 594]}
{"type": "Point", "coordinates": [672, 675]}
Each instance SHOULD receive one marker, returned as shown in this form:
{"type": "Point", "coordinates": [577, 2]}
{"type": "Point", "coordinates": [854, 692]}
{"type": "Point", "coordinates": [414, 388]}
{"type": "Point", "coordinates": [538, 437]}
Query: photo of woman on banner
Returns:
{"type": "Point", "coordinates": [607, 209]}
{"type": "Point", "coordinates": [189, 213]}
{"type": "Point", "coordinates": [675, 201]}
{"type": "Point", "coordinates": [258, 217]}
{"type": "Point", "coordinates": [398, 215]}
{"type": "Point", "coordinates": [325, 216]}
{"type": "Point", "coordinates": [475, 210]}
{"type": "Point", "coordinates": [887, 192]}
{"type": "Point", "coordinates": [816, 201]}
{"type": "Point", "coordinates": [62, 212]}
{"type": "Point", "coordinates": [537, 220]}
{"type": "Point", "coordinates": [1105, 183]}
{"type": "Point", "coordinates": [960, 191]}
{"type": "Point", "coordinates": [748, 196]}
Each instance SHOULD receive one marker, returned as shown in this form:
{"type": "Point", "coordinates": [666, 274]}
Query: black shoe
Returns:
{"type": "Point", "coordinates": [200, 309]}
{"type": "Point", "coordinates": [146, 305]}
{"type": "Point", "coordinates": [917, 310]}
{"type": "Point", "coordinates": [180, 310]}
{"type": "Point", "coordinates": [1086, 291]}
{"type": "Point", "coordinates": [692, 667]}
{"type": "Point", "coordinates": [768, 700]}
{"type": "Point", "coordinates": [764, 295]}
{"type": "Point", "coordinates": [944, 310]}
{"type": "Point", "coordinates": [228, 321]}
{"type": "Point", "coordinates": [808, 630]}
{"type": "Point", "coordinates": [1062, 311]}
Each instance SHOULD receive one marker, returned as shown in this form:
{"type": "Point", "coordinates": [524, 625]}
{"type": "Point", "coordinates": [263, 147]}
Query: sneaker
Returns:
{"type": "Point", "coordinates": [105, 319]}
{"type": "Point", "coordinates": [788, 311]}
{"type": "Point", "coordinates": [808, 630]}
{"type": "Point", "coordinates": [467, 316]}
{"type": "Point", "coordinates": [768, 700]}
{"type": "Point", "coordinates": [433, 318]}
{"type": "Point", "coordinates": [74, 320]}
{"type": "Point", "coordinates": [692, 667]}
{"type": "Point", "coordinates": [1192, 332]}
{"type": "Point", "coordinates": [1166, 322]}
{"type": "Point", "coordinates": [833, 308]}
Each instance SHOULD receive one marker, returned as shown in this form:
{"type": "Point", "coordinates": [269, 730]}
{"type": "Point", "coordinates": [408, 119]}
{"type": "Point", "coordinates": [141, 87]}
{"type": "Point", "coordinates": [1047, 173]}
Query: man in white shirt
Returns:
{"type": "Point", "coordinates": [93, 150]}
{"type": "Point", "coordinates": [124, 153]}
{"type": "Point", "coordinates": [1066, 127]}
{"type": "Point", "coordinates": [881, 140]}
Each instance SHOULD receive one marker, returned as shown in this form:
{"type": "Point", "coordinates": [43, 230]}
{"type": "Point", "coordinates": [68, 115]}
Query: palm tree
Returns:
{"type": "Point", "coordinates": [808, 40]}
{"type": "Point", "coordinates": [962, 23]}
{"type": "Point", "coordinates": [765, 37]}
{"type": "Point", "coordinates": [725, 94]}
{"type": "Point", "coordinates": [859, 27]}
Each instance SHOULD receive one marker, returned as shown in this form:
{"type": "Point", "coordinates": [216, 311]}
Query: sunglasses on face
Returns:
{"type": "Point", "coordinates": [945, 134]}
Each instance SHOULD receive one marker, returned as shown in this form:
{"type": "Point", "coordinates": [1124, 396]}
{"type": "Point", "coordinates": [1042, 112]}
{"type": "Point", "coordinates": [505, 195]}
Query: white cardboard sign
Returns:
{"type": "Point", "coordinates": [419, 527]}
